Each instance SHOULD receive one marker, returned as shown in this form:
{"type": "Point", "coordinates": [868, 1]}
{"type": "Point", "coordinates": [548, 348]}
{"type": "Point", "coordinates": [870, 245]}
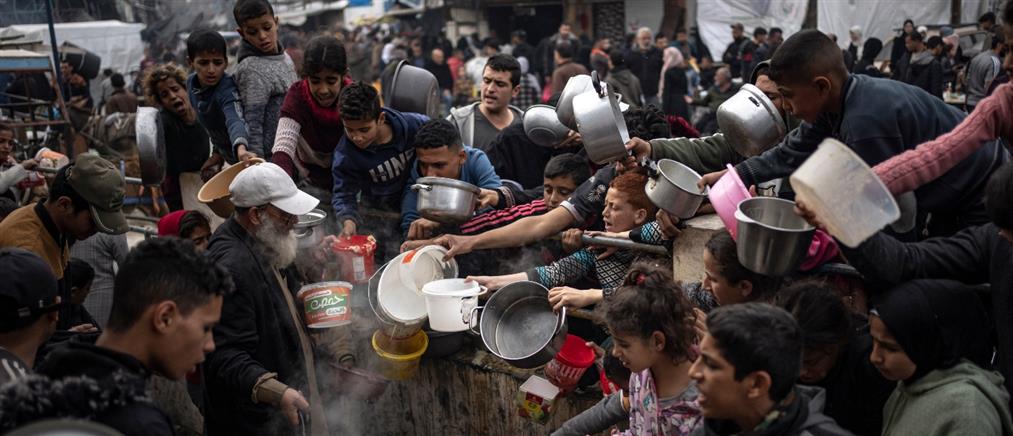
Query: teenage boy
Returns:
{"type": "Point", "coordinates": [28, 310]}
{"type": "Point", "coordinates": [214, 94]}
{"type": "Point", "coordinates": [264, 72]}
{"type": "Point", "coordinates": [166, 300]}
{"type": "Point", "coordinates": [480, 122]}
{"type": "Point", "coordinates": [373, 157]}
{"type": "Point", "coordinates": [439, 153]}
{"type": "Point", "coordinates": [750, 358]}
{"type": "Point", "coordinates": [876, 118]}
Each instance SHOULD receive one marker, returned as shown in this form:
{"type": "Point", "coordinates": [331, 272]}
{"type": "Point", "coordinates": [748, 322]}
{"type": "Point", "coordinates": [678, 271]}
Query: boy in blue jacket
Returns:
{"type": "Point", "coordinates": [213, 93]}
{"type": "Point", "coordinates": [373, 157]}
{"type": "Point", "coordinates": [439, 153]}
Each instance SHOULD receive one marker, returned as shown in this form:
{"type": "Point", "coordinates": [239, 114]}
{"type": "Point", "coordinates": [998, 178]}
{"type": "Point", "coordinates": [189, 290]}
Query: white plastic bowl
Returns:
{"type": "Point", "coordinates": [424, 265]}
{"type": "Point", "coordinates": [844, 193]}
{"type": "Point", "coordinates": [400, 303]}
{"type": "Point", "coordinates": [450, 303]}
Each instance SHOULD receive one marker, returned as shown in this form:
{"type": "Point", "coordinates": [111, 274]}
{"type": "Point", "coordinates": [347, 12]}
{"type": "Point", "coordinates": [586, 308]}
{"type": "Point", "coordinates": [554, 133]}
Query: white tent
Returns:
{"type": "Point", "coordinates": [117, 43]}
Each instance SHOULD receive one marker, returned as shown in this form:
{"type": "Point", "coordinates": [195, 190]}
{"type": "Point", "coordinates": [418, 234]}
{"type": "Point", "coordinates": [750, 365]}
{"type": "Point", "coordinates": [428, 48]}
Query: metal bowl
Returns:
{"type": "Point", "coordinates": [150, 145]}
{"type": "Point", "coordinates": [772, 239]}
{"type": "Point", "coordinates": [414, 89]}
{"type": "Point", "coordinates": [444, 200]}
{"type": "Point", "coordinates": [564, 107]}
{"type": "Point", "coordinates": [542, 126]}
{"type": "Point", "coordinates": [750, 122]}
{"type": "Point", "coordinates": [308, 231]}
{"type": "Point", "coordinates": [519, 326]}
{"type": "Point", "coordinates": [672, 187]}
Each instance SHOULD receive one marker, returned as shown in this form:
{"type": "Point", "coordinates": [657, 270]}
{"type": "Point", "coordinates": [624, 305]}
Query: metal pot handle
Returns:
{"type": "Point", "coordinates": [418, 187]}
{"type": "Point", "coordinates": [471, 316]}
{"type": "Point", "coordinates": [562, 321]}
{"type": "Point", "coordinates": [597, 84]}
{"type": "Point", "coordinates": [299, 233]}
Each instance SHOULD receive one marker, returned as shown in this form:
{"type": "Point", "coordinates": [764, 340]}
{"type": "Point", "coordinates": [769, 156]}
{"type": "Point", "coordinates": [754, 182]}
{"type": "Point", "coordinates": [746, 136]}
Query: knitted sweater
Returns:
{"type": "Point", "coordinates": [263, 80]}
{"type": "Point", "coordinates": [913, 168]}
{"type": "Point", "coordinates": [304, 122]}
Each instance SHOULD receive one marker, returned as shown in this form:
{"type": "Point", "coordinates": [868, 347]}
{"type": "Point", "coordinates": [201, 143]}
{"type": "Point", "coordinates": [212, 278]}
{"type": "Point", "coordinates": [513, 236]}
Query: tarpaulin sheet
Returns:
{"type": "Point", "coordinates": [881, 18]}
{"type": "Point", "coordinates": [117, 43]}
{"type": "Point", "coordinates": [715, 17]}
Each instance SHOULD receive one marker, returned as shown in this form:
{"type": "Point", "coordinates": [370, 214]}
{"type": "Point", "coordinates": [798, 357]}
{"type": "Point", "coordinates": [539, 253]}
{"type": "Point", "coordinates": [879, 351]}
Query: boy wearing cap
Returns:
{"type": "Point", "coordinates": [28, 310]}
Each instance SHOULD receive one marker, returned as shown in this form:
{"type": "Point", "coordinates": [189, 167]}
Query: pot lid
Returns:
{"type": "Point", "coordinates": [453, 183]}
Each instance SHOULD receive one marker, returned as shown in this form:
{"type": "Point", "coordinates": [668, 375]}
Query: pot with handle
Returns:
{"type": "Point", "coordinates": [444, 200]}
{"type": "Point", "coordinates": [449, 303]}
{"type": "Point", "coordinates": [600, 123]}
{"type": "Point", "coordinates": [564, 107]}
{"type": "Point", "coordinates": [750, 121]}
{"type": "Point", "coordinates": [150, 145]}
{"type": "Point", "coordinates": [772, 240]}
{"type": "Point", "coordinates": [519, 326]}
{"type": "Point", "coordinates": [542, 126]}
{"type": "Point", "coordinates": [308, 231]}
{"type": "Point", "coordinates": [414, 89]}
{"type": "Point", "coordinates": [672, 186]}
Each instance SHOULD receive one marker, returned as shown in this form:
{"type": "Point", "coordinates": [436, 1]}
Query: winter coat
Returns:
{"type": "Point", "coordinates": [646, 65]}
{"type": "Point", "coordinates": [961, 400]}
{"type": "Point", "coordinates": [628, 85]}
{"type": "Point", "coordinates": [673, 97]}
{"type": "Point", "coordinates": [262, 80]}
{"type": "Point", "coordinates": [379, 172]}
{"type": "Point", "coordinates": [516, 158]}
{"type": "Point", "coordinates": [809, 421]}
{"type": "Point", "coordinates": [926, 72]}
{"type": "Point", "coordinates": [220, 111]}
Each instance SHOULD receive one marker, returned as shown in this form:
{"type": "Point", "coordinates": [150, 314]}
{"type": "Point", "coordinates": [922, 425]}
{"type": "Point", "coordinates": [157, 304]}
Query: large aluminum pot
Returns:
{"type": "Point", "coordinates": [444, 200]}
{"type": "Point", "coordinates": [750, 122]}
{"type": "Point", "coordinates": [519, 326]}
{"type": "Point", "coordinates": [542, 126]}
{"type": "Point", "coordinates": [150, 145]}
{"type": "Point", "coordinates": [601, 124]}
{"type": "Point", "coordinates": [564, 107]}
{"type": "Point", "coordinates": [414, 89]}
{"type": "Point", "coordinates": [772, 239]}
{"type": "Point", "coordinates": [672, 187]}
{"type": "Point", "coordinates": [308, 231]}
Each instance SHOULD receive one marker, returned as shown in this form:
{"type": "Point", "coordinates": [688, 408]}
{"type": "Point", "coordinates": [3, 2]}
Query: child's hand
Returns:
{"type": "Point", "coordinates": [668, 224]}
{"type": "Point", "coordinates": [422, 229]}
{"type": "Point", "coordinates": [491, 282]}
{"type": "Point", "coordinates": [709, 179]}
{"type": "Point", "coordinates": [573, 298]}
{"type": "Point", "coordinates": [808, 215]}
{"type": "Point", "coordinates": [243, 154]}
{"type": "Point", "coordinates": [348, 228]}
{"type": "Point", "coordinates": [487, 198]}
{"type": "Point", "coordinates": [571, 240]}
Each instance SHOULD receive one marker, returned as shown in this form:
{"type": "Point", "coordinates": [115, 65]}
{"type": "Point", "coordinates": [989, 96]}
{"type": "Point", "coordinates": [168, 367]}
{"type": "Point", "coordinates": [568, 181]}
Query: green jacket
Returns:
{"type": "Point", "coordinates": [715, 97]}
{"type": "Point", "coordinates": [962, 400]}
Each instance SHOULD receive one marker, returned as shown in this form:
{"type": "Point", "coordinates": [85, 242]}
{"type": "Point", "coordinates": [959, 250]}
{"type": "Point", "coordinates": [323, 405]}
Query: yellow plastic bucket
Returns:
{"type": "Point", "coordinates": [400, 357]}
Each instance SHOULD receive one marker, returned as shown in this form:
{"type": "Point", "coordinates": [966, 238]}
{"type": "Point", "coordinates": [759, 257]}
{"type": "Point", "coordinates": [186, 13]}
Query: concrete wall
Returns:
{"type": "Point", "coordinates": [644, 13]}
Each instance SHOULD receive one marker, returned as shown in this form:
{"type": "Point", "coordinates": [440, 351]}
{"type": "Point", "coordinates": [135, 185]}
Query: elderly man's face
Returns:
{"type": "Point", "coordinates": [644, 39]}
{"type": "Point", "coordinates": [437, 56]}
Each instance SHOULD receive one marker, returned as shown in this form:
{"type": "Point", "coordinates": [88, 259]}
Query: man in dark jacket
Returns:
{"type": "Point", "coordinates": [747, 53]}
{"type": "Point", "coordinates": [264, 363]}
{"type": "Point", "coordinates": [543, 62]}
{"type": "Point", "coordinates": [29, 302]}
{"type": "Point", "coordinates": [731, 55]}
{"type": "Point", "coordinates": [620, 79]}
{"type": "Point", "coordinates": [923, 69]}
{"type": "Point", "coordinates": [645, 61]}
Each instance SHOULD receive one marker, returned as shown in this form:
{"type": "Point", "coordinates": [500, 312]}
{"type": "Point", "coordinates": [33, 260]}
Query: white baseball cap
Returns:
{"type": "Point", "coordinates": [268, 183]}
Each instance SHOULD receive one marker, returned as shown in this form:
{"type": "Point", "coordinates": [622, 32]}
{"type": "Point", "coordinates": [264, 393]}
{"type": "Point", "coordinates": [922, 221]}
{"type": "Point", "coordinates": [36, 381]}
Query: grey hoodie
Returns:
{"type": "Point", "coordinates": [263, 81]}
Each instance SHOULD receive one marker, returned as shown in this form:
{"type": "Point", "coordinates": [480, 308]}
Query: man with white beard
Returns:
{"type": "Point", "coordinates": [261, 378]}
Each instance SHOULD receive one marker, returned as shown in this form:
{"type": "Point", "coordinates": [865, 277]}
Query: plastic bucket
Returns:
{"type": "Point", "coordinates": [355, 256]}
{"type": "Point", "coordinates": [569, 365]}
{"type": "Point", "coordinates": [399, 304]}
{"type": "Point", "coordinates": [725, 196]}
{"type": "Point", "coordinates": [450, 303]}
{"type": "Point", "coordinates": [400, 357]}
{"type": "Point", "coordinates": [326, 304]}
{"type": "Point", "coordinates": [423, 265]}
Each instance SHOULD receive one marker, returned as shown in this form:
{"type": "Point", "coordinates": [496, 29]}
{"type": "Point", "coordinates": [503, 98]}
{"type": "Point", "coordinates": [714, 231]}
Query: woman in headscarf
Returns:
{"type": "Point", "coordinates": [673, 84]}
{"type": "Point", "coordinates": [932, 337]}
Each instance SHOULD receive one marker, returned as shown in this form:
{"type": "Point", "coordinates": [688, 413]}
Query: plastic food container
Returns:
{"type": "Point", "coordinates": [450, 304]}
{"type": "Point", "coordinates": [566, 369]}
{"type": "Point", "coordinates": [537, 399]}
{"type": "Point", "coordinates": [355, 254]}
{"type": "Point", "coordinates": [725, 196]}
{"type": "Point", "coordinates": [326, 304]}
{"type": "Point", "coordinates": [400, 357]}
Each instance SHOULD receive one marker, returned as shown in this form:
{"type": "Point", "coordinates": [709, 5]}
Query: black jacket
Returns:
{"type": "Point", "coordinates": [646, 65]}
{"type": "Point", "coordinates": [974, 255]}
{"type": "Point", "coordinates": [926, 72]}
{"type": "Point", "coordinates": [256, 336]}
{"type": "Point", "coordinates": [516, 158]}
{"type": "Point", "coordinates": [673, 100]}
{"type": "Point", "coordinates": [117, 398]}
{"type": "Point", "coordinates": [731, 55]}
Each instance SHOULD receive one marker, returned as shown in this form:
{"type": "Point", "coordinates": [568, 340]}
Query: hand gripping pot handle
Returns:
{"type": "Point", "coordinates": [418, 187]}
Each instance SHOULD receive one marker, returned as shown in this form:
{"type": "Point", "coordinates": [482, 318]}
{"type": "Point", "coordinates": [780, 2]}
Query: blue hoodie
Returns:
{"type": "Point", "coordinates": [477, 170]}
{"type": "Point", "coordinates": [378, 172]}
{"type": "Point", "coordinates": [220, 111]}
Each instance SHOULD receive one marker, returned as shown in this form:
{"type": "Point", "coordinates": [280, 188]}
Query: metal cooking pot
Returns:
{"type": "Point", "coordinates": [388, 325]}
{"type": "Point", "coordinates": [600, 123]}
{"type": "Point", "coordinates": [542, 126]}
{"type": "Point", "coordinates": [772, 239]}
{"type": "Point", "coordinates": [564, 107]}
{"type": "Point", "coordinates": [750, 122]}
{"type": "Point", "coordinates": [519, 326]}
{"type": "Point", "coordinates": [444, 200]}
{"type": "Point", "coordinates": [150, 145]}
{"type": "Point", "coordinates": [414, 89]}
{"type": "Point", "coordinates": [308, 231]}
{"type": "Point", "coordinates": [672, 187]}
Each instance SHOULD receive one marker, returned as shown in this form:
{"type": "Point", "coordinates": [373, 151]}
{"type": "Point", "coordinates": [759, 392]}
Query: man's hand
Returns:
{"type": "Point", "coordinates": [688, 99]}
{"type": "Point", "coordinates": [348, 228]}
{"type": "Point", "coordinates": [243, 154]}
{"type": "Point", "coordinates": [668, 224]}
{"type": "Point", "coordinates": [573, 298]}
{"type": "Point", "coordinates": [29, 164]}
{"type": "Point", "coordinates": [211, 167]}
{"type": "Point", "coordinates": [487, 198]}
{"type": "Point", "coordinates": [411, 245]}
{"type": "Point", "coordinates": [83, 328]}
{"type": "Point", "coordinates": [422, 229]}
{"type": "Point", "coordinates": [709, 179]}
{"type": "Point", "coordinates": [455, 245]}
{"type": "Point", "coordinates": [292, 402]}
{"type": "Point", "coordinates": [641, 149]}
{"type": "Point", "coordinates": [571, 240]}
{"type": "Point", "coordinates": [699, 323]}
{"type": "Point", "coordinates": [572, 138]}
{"type": "Point", "coordinates": [808, 215]}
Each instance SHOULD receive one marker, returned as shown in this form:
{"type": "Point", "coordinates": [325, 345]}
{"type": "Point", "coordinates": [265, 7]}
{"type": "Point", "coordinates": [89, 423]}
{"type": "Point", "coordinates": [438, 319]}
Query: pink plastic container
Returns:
{"type": "Point", "coordinates": [725, 196]}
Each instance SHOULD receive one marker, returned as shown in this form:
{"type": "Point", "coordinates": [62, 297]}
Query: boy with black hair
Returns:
{"type": "Point", "coordinates": [876, 118]}
{"type": "Point", "coordinates": [480, 122]}
{"type": "Point", "coordinates": [214, 94]}
{"type": "Point", "coordinates": [439, 153]}
{"type": "Point", "coordinates": [28, 310]}
{"type": "Point", "coordinates": [373, 157]}
{"type": "Point", "coordinates": [749, 361]}
{"type": "Point", "coordinates": [264, 72]}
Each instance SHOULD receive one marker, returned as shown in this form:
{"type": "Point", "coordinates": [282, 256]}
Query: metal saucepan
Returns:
{"type": "Point", "coordinates": [444, 200]}
{"type": "Point", "coordinates": [542, 126]}
{"type": "Point", "coordinates": [672, 187]}
{"type": "Point", "coordinates": [600, 123]}
{"type": "Point", "coordinates": [750, 122]}
{"type": "Point", "coordinates": [564, 107]}
{"type": "Point", "coordinates": [519, 326]}
{"type": "Point", "coordinates": [414, 89]}
{"type": "Point", "coordinates": [772, 239]}
{"type": "Point", "coordinates": [308, 231]}
{"type": "Point", "coordinates": [150, 145]}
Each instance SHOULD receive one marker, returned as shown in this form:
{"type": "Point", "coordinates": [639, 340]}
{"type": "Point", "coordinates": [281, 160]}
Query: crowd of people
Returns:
{"type": "Point", "coordinates": [906, 333]}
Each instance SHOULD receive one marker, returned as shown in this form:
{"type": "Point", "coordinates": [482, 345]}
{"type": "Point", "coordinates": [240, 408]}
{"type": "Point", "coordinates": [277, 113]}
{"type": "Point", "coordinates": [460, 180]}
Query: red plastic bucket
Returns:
{"type": "Point", "coordinates": [355, 256]}
{"type": "Point", "coordinates": [570, 363]}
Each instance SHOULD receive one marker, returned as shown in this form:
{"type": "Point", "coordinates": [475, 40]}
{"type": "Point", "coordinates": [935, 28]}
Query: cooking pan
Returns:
{"type": "Point", "coordinates": [519, 326]}
{"type": "Point", "coordinates": [150, 145]}
{"type": "Point", "coordinates": [600, 123]}
{"type": "Point", "coordinates": [414, 89]}
{"type": "Point", "coordinates": [750, 121]}
{"type": "Point", "coordinates": [564, 107]}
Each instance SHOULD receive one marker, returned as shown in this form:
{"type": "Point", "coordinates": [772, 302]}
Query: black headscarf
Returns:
{"type": "Point", "coordinates": [871, 49]}
{"type": "Point", "coordinates": [937, 323]}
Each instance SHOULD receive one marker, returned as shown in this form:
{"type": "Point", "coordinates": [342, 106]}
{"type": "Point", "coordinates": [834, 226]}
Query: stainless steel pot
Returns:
{"type": "Point", "coordinates": [542, 126]}
{"type": "Point", "coordinates": [308, 231]}
{"type": "Point", "coordinates": [772, 239]}
{"type": "Point", "coordinates": [750, 122]}
{"type": "Point", "coordinates": [600, 123]}
{"type": "Point", "coordinates": [388, 325]}
{"type": "Point", "coordinates": [519, 326]}
{"type": "Point", "coordinates": [672, 187]}
{"type": "Point", "coordinates": [564, 107]}
{"type": "Point", "coordinates": [414, 89]}
{"type": "Point", "coordinates": [150, 145]}
{"type": "Point", "coordinates": [444, 200]}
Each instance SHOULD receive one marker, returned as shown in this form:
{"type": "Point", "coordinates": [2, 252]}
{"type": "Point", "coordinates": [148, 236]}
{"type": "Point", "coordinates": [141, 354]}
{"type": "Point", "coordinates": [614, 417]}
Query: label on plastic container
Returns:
{"type": "Point", "coordinates": [359, 268]}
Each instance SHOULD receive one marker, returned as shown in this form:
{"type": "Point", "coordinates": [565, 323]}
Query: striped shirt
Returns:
{"type": "Point", "coordinates": [11, 367]}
